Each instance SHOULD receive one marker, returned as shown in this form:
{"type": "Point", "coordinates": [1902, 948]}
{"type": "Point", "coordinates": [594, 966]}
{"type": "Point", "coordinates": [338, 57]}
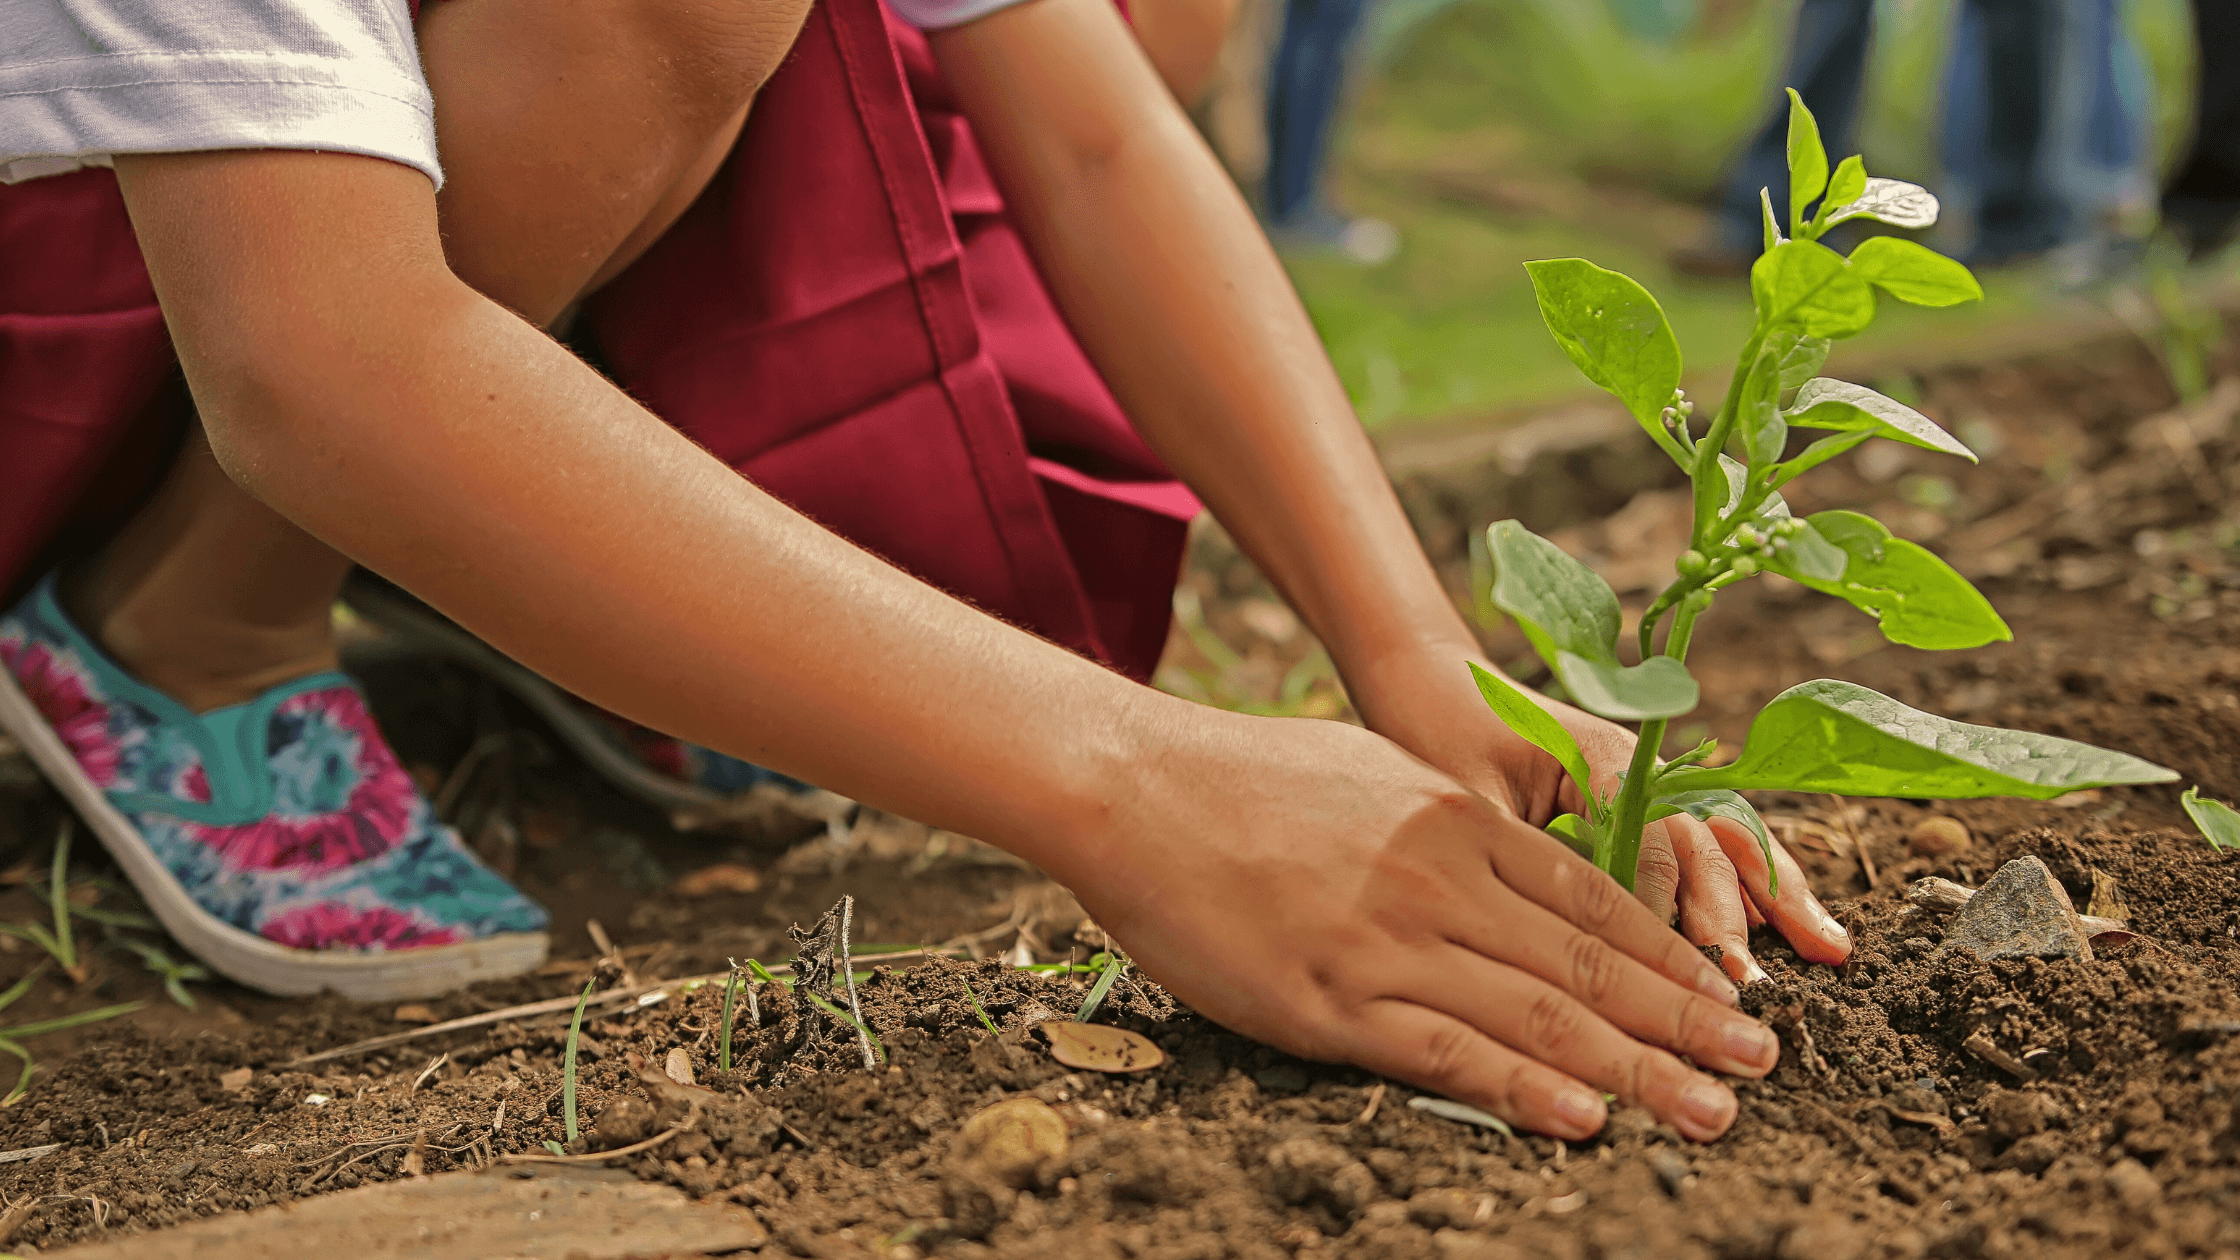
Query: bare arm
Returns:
{"type": "Point", "coordinates": [1304, 882]}
{"type": "Point", "coordinates": [1183, 40]}
{"type": "Point", "coordinates": [1178, 298]}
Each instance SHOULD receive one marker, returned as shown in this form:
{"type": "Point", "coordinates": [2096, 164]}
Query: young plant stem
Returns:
{"type": "Point", "coordinates": [568, 1061]}
{"type": "Point", "coordinates": [1631, 812]}
{"type": "Point", "coordinates": [848, 975]}
{"type": "Point", "coordinates": [58, 895]}
{"type": "Point", "coordinates": [1722, 427]}
{"type": "Point", "coordinates": [723, 1041]}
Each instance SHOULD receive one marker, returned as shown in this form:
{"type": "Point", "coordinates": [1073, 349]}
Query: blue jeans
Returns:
{"type": "Point", "coordinates": [1828, 67]}
{"type": "Point", "coordinates": [1305, 83]}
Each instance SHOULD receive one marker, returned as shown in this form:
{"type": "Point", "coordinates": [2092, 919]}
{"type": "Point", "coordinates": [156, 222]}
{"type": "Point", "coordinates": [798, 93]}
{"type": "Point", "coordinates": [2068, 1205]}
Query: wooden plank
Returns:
{"type": "Point", "coordinates": [518, 1212]}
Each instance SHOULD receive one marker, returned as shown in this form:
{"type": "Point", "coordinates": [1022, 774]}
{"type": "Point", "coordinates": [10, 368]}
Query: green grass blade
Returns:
{"type": "Point", "coordinates": [21, 987]}
{"type": "Point", "coordinates": [23, 1082]}
{"type": "Point", "coordinates": [828, 1008]}
{"type": "Point", "coordinates": [1113, 966]}
{"type": "Point", "coordinates": [60, 1022]}
{"type": "Point", "coordinates": [723, 1043]}
{"type": "Point", "coordinates": [568, 1062]}
{"type": "Point", "coordinates": [58, 899]}
{"type": "Point", "coordinates": [980, 1010]}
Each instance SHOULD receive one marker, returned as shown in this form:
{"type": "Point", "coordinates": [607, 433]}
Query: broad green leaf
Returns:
{"type": "Point", "coordinates": [1656, 688]}
{"type": "Point", "coordinates": [1919, 599]}
{"type": "Point", "coordinates": [1891, 201]}
{"type": "Point", "coordinates": [1811, 556]}
{"type": "Point", "coordinates": [1705, 806]}
{"type": "Point", "coordinates": [1799, 356]}
{"type": "Point", "coordinates": [1517, 712]}
{"type": "Point", "coordinates": [1808, 162]}
{"type": "Point", "coordinates": [1559, 603]}
{"type": "Point", "coordinates": [2219, 822]}
{"type": "Point", "coordinates": [1912, 272]}
{"type": "Point", "coordinates": [1845, 185]}
{"type": "Point", "coordinates": [1765, 433]}
{"type": "Point", "coordinates": [1827, 403]}
{"type": "Point", "coordinates": [1808, 285]}
{"type": "Point", "coordinates": [1576, 832]}
{"type": "Point", "coordinates": [1613, 330]}
{"type": "Point", "coordinates": [1838, 737]}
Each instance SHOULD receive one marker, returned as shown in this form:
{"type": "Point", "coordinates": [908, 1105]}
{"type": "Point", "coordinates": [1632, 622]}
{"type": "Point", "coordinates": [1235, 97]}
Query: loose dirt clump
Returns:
{"type": "Point", "coordinates": [1928, 1103]}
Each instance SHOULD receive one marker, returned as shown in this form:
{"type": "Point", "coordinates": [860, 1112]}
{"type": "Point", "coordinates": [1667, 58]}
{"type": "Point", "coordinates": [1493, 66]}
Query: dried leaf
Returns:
{"type": "Point", "coordinates": [721, 879]}
{"type": "Point", "coordinates": [1101, 1048]}
{"type": "Point", "coordinates": [1013, 1137]}
{"type": "Point", "coordinates": [2107, 900]}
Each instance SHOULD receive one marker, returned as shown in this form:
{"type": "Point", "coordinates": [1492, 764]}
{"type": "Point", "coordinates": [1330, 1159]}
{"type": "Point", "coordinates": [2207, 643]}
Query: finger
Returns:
{"type": "Point", "coordinates": [1617, 989]}
{"type": "Point", "coordinates": [1550, 875]}
{"type": "Point", "coordinates": [1438, 1052]}
{"type": "Point", "coordinates": [1657, 875]}
{"type": "Point", "coordinates": [1713, 908]}
{"type": "Point", "coordinates": [1795, 912]}
{"type": "Point", "coordinates": [1750, 909]}
{"type": "Point", "coordinates": [1542, 1022]}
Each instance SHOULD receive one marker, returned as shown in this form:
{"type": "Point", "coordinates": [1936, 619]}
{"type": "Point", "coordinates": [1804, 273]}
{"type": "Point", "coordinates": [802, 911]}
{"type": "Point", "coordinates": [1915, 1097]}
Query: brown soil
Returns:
{"type": "Point", "coordinates": [1890, 1130]}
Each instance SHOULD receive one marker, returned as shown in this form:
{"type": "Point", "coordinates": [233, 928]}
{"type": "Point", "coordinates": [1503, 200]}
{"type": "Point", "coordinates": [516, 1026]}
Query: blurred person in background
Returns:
{"type": "Point", "coordinates": [1306, 83]}
{"type": "Point", "coordinates": [2043, 137]}
{"type": "Point", "coordinates": [2202, 203]}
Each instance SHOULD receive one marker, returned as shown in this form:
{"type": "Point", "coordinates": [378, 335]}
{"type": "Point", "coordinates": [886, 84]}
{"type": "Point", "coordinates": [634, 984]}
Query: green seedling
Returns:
{"type": "Point", "coordinates": [870, 1039]}
{"type": "Point", "coordinates": [174, 974]}
{"type": "Point", "coordinates": [1108, 975]}
{"type": "Point", "coordinates": [2219, 822]}
{"type": "Point", "coordinates": [723, 1043]}
{"type": "Point", "coordinates": [568, 1062]}
{"type": "Point", "coordinates": [57, 941]}
{"type": "Point", "coordinates": [1822, 736]}
{"type": "Point", "coordinates": [980, 1010]}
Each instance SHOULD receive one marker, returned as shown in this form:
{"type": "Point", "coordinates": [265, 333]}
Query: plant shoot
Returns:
{"type": "Point", "coordinates": [1822, 736]}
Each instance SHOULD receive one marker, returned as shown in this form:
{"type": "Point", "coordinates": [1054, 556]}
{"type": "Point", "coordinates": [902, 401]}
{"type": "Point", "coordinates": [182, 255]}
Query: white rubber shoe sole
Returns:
{"type": "Point", "coordinates": [244, 957]}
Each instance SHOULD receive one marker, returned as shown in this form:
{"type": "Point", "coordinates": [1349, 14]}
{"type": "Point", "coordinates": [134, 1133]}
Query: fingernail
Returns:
{"type": "Point", "coordinates": [1747, 1041]}
{"type": "Point", "coordinates": [1713, 984]}
{"type": "Point", "coordinates": [1707, 1105]}
{"type": "Point", "coordinates": [1581, 1110]}
{"type": "Point", "coordinates": [1828, 921]}
{"type": "Point", "coordinates": [1751, 971]}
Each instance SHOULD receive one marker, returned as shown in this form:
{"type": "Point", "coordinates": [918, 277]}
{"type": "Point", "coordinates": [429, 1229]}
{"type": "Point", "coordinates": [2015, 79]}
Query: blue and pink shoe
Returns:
{"type": "Point", "coordinates": [278, 841]}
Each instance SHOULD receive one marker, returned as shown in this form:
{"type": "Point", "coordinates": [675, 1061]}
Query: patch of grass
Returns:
{"type": "Point", "coordinates": [174, 974]}
{"type": "Point", "coordinates": [58, 941]}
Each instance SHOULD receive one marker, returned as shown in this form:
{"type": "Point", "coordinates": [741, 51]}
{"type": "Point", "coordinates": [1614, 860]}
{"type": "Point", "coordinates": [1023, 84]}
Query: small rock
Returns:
{"type": "Point", "coordinates": [2023, 912]}
{"type": "Point", "coordinates": [236, 1080]}
{"type": "Point", "coordinates": [720, 879]}
{"type": "Point", "coordinates": [678, 1067]}
{"type": "Point", "coordinates": [2133, 1185]}
{"type": "Point", "coordinates": [1012, 1138]}
{"type": "Point", "coordinates": [415, 1013]}
{"type": "Point", "coordinates": [1939, 836]}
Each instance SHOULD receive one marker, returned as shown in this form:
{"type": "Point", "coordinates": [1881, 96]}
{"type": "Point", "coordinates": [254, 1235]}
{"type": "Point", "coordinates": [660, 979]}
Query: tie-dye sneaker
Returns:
{"type": "Point", "coordinates": [279, 840]}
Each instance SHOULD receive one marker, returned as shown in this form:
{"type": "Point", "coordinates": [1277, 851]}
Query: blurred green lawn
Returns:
{"type": "Point", "coordinates": [1493, 132]}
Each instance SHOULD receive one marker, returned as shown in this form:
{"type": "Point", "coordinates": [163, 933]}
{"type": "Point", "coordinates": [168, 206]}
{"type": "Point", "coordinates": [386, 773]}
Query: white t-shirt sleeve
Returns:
{"type": "Point", "coordinates": [934, 15]}
{"type": "Point", "coordinates": [81, 80]}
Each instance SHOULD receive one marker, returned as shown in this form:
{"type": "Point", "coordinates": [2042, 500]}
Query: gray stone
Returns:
{"type": "Point", "coordinates": [2022, 912]}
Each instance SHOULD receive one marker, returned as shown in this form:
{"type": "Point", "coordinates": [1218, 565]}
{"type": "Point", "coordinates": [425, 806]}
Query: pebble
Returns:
{"type": "Point", "coordinates": [2021, 912]}
{"type": "Point", "coordinates": [2133, 1185]}
{"type": "Point", "coordinates": [1939, 837]}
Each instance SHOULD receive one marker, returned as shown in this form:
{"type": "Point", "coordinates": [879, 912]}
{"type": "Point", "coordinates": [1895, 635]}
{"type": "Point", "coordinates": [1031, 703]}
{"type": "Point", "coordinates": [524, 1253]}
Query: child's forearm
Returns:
{"type": "Point", "coordinates": [1174, 292]}
{"type": "Point", "coordinates": [351, 382]}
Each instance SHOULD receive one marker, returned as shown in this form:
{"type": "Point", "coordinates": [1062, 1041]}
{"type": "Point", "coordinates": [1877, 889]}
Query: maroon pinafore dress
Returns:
{"type": "Point", "coordinates": [846, 316]}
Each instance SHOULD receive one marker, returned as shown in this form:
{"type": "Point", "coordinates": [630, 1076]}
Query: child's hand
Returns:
{"type": "Point", "coordinates": [1714, 876]}
{"type": "Point", "coordinates": [1312, 885]}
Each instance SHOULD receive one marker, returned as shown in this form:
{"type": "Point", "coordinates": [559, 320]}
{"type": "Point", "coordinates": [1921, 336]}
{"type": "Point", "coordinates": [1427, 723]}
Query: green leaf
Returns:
{"type": "Point", "coordinates": [1613, 330]}
{"type": "Point", "coordinates": [1797, 356]}
{"type": "Point", "coordinates": [1827, 403]}
{"type": "Point", "coordinates": [1571, 616]}
{"type": "Point", "coordinates": [1808, 162]}
{"type": "Point", "coordinates": [1808, 285]}
{"type": "Point", "coordinates": [1811, 556]}
{"type": "Point", "coordinates": [1705, 806]}
{"type": "Point", "coordinates": [1838, 737]}
{"type": "Point", "coordinates": [1919, 599]}
{"type": "Point", "coordinates": [1659, 687]}
{"type": "Point", "coordinates": [1559, 603]}
{"type": "Point", "coordinates": [1821, 452]}
{"type": "Point", "coordinates": [1773, 221]}
{"type": "Point", "coordinates": [1845, 186]}
{"type": "Point", "coordinates": [1764, 432]}
{"type": "Point", "coordinates": [1891, 201]}
{"type": "Point", "coordinates": [1576, 832]}
{"type": "Point", "coordinates": [76, 1020]}
{"type": "Point", "coordinates": [2219, 822]}
{"type": "Point", "coordinates": [1912, 272]}
{"type": "Point", "coordinates": [1517, 711]}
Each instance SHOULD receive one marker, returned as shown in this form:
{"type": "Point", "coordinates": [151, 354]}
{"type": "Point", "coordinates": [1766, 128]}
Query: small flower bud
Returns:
{"type": "Point", "coordinates": [1746, 566]}
{"type": "Point", "coordinates": [1747, 536]}
{"type": "Point", "coordinates": [1692, 564]}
